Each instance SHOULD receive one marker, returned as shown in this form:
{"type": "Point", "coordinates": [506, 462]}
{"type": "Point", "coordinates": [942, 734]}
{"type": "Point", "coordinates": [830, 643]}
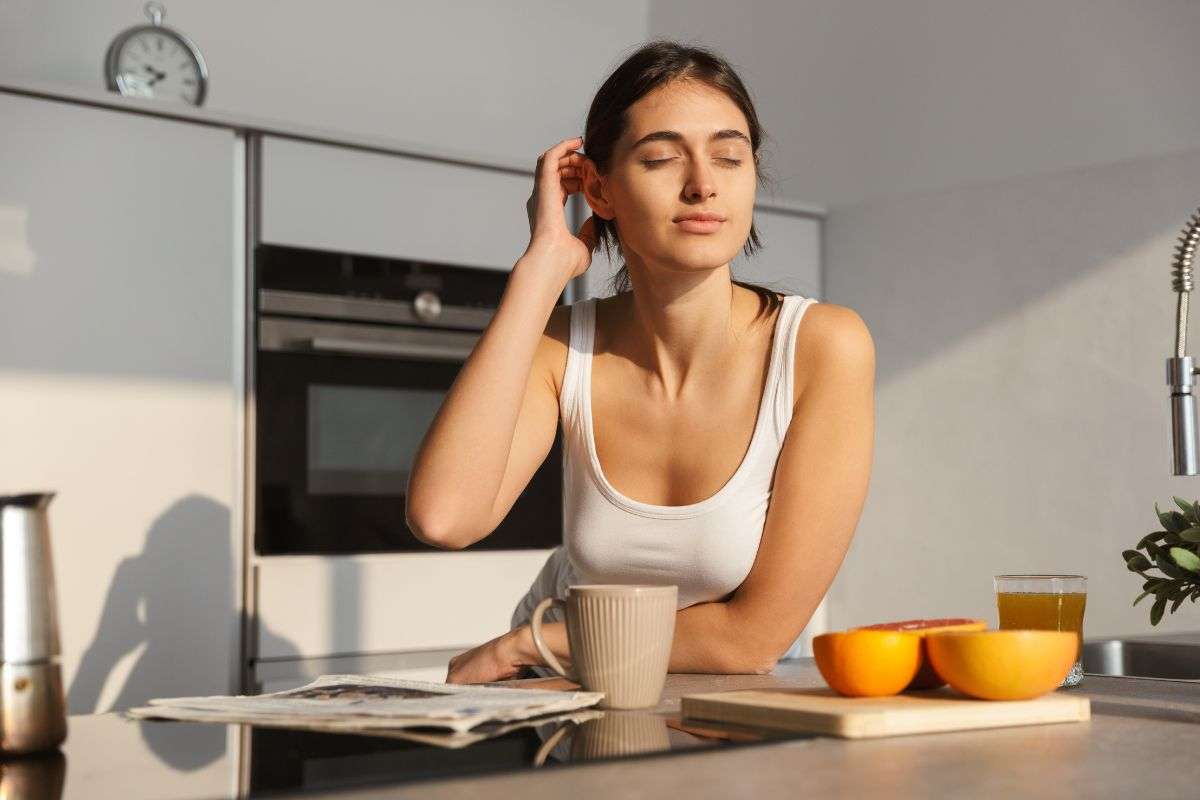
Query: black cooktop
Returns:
{"type": "Point", "coordinates": [283, 761]}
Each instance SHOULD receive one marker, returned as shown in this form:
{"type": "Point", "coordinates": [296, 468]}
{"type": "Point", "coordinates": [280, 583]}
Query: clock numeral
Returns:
{"type": "Point", "coordinates": [158, 41]}
{"type": "Point", "coordinates": [188, 82]}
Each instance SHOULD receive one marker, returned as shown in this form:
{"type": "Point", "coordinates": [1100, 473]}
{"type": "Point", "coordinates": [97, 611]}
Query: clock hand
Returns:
{"type": "Point", "coordinates": [158, 76]}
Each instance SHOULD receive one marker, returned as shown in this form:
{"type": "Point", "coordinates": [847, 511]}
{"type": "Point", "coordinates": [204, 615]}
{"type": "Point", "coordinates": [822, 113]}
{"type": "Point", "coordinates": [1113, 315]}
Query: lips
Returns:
{"type": "Point", "coordinates": [703, 222]}
{"type": "Point", "coordinates": [702, 216]}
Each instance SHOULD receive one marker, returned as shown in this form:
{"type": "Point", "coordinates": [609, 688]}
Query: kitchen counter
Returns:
{"type": "Point", "coordinates": [1141, 741]}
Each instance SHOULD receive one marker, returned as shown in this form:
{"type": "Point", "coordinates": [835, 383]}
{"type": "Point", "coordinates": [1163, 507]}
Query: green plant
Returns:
{"type": "Point", "coordinates": [1173, 551]}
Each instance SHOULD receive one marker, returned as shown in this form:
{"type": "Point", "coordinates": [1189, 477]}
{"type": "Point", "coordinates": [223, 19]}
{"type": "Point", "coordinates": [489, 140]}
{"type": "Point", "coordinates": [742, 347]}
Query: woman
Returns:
{"type": "Point", "coordinates": [711, 440]}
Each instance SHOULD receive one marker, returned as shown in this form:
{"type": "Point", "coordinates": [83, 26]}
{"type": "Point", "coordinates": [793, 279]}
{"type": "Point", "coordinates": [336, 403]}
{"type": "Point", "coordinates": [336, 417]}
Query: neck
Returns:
{"type": "Point", "coordinates": [681, 327]}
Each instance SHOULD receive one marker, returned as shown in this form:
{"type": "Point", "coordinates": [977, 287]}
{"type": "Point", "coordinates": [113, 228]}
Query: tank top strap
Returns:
{"type": "Point", "coordinates": [579, 351]}
{"type": "Point", "coordinates": [794, 306]}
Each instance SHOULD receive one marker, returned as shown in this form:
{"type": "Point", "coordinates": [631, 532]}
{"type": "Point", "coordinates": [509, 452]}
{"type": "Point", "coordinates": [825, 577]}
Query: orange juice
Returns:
{"type": "Point", "coordinates": [1057, 611]}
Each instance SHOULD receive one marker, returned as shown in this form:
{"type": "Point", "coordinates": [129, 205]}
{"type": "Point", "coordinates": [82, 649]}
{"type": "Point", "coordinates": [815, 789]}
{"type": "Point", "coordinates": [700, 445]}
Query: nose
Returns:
{"type": "Point", "coordinates": [700, 184]}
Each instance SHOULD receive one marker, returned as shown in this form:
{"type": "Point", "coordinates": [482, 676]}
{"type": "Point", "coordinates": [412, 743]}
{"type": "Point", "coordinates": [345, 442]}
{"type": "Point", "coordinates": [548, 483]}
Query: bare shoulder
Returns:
{"type": "Point", "coordinates": [832, 341]}
{"type": "Point", "coordinates": [551, 356]}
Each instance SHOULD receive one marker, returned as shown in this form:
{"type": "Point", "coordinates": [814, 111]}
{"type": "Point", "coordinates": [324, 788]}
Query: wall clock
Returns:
{"type": "Point", "coordinates": [156, 61]}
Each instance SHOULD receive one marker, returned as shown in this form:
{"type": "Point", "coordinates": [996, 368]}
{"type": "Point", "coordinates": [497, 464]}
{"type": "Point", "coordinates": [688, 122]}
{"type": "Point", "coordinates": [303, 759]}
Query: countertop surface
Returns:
{"type": "Point", "coordinates": [1142, 741]}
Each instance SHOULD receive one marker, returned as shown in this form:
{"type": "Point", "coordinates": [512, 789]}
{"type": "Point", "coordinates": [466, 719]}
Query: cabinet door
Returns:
{"type": "Point", "coordinates": [118, 387]}
{"type": "Point", "coordinates": [790, 258]}
{"type": "Point", "coordinates": [342, 199]}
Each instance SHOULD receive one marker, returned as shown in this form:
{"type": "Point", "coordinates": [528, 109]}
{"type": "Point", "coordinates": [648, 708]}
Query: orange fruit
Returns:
{"type": "Point", "coordinates": [1003, 665]}
{"type": "Point", "coordinates": [927, 677]}
{"type": "Point", "coordinates": [867, 663]}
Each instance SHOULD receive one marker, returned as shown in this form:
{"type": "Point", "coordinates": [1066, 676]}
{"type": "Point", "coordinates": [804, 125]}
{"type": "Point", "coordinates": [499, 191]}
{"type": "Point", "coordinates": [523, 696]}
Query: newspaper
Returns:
{"type": "Point", "coordinates": [373, 704]}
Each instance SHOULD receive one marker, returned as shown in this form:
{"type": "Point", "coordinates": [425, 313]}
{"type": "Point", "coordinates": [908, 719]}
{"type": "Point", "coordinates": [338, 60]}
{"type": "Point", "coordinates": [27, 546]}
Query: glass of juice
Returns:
{"type": "Point", "coordinates": [1044, 602]}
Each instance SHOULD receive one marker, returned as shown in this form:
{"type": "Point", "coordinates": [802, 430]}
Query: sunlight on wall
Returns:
{"type": "Point", "coordinates": [155, 532]}
{"type": "Point", "coordinates": [16, 254]}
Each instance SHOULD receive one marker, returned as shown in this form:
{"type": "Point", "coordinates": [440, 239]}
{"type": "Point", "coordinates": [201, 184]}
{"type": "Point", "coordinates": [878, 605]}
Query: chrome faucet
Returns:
{"type": "Point", "coordinates": [1181, 370]}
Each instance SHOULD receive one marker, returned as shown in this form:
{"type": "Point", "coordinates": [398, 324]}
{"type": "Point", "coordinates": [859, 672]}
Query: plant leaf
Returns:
{"type": "Point", "coordinates": [1135, 561]}
{"type": "Point", "coordinates": [1172, 521]}
{"type": "Point", "coordinates": [1188, 509]}
{"type": "Point", "coordinates": [1153, 536]}
{"type": "Point", "coordinates": [1190, 535]}
{"type": "Point", "coordinates": [1156, 611]}
{"type": "Point", "coordinates": [1141, 596]}
{"type": "Point", "coordinates": [1178, 602]}
{"type": "Point", "coordinates": [1186, 559]}
{"type": "Point", "coordinates": [1153, 550]}
{"type": "Point", "coordinates": [1168, 567]}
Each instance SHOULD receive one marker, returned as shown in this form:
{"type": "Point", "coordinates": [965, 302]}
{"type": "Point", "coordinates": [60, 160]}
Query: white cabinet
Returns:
{"type": "Point", "coordinates": [790, 258]}
{"type": "Point", "coordinates": [119, 312]}
{"type": "Point", "coordinates": [320, 606]}
{"type": "Point", "coordinates": [336, 198]}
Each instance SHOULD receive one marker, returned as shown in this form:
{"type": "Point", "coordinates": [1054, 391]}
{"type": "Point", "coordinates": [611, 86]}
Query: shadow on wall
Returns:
{"type": "Point", "coordinates": [174, 600]}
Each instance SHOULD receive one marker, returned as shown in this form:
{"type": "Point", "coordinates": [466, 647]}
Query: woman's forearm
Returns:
{"type": "Point", "coordinates": [460, 465]}
{"type": "Point", "coordinates": [706, 640]}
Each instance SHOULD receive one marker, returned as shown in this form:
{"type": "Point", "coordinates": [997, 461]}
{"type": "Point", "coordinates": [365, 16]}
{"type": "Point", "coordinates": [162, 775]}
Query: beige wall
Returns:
{"type": "Point", "coordinates": [1023, 422]}
{"type": "Point", "coordinates": [868, 98]}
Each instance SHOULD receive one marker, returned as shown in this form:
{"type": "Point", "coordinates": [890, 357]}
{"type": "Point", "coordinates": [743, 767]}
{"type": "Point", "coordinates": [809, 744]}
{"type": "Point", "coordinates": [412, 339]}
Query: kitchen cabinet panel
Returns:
{"type": "Point", "coordinates": [315, 606]}
{"type": "Point", "coordinates": [343, 199]}
{"type": "Point", "coordinates": [790, 258]}
{"type": "Point", "coordinates": [119, 280]}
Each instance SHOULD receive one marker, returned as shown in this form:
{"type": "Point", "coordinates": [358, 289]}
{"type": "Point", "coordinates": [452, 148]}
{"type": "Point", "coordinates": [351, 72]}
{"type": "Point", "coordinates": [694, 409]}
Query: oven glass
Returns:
{"type": "Point", "coordinates": [362, 440]}
{"type": "Point", "coordinates": [336, 436]}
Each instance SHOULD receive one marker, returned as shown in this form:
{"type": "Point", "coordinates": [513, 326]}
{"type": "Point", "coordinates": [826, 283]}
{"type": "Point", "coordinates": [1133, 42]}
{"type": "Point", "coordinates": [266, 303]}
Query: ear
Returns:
{"type": "Point", "coordinates": [595, 191]}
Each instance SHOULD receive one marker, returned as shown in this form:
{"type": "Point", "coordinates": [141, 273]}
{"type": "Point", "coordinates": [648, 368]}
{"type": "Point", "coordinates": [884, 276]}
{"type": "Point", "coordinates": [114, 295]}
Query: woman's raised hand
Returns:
{"type": "Point", "coordinates": [559, 174]}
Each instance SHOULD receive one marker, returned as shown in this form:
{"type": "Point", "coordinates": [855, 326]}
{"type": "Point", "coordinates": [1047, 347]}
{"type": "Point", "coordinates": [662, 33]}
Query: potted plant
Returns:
{"type": "Point", "coordinates": [1173, 552]}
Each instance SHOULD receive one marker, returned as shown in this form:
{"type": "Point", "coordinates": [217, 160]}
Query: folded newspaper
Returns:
{"type": "Point", "coordinates": [373, 704]}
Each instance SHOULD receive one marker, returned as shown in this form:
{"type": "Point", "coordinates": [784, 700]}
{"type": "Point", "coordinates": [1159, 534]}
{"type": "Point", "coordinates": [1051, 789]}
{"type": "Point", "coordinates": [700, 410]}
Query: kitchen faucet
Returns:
{"type": "Point", "coordinates": [1181, 372]}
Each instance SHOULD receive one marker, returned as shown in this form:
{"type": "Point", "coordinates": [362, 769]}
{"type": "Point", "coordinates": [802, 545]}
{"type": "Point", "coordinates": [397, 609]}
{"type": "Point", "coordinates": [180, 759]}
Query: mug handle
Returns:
{"type": "Point", "coordinates": [535, 627]}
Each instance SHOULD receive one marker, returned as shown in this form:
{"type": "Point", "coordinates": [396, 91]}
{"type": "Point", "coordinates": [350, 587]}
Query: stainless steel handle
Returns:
{"type": "Point", "coordinates": [444, 352]}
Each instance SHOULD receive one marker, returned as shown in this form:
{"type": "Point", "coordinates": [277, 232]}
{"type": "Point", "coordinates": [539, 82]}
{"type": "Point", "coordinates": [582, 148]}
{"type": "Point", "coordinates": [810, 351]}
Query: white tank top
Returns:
{"type": "Point", "coordinates": [705, 548]}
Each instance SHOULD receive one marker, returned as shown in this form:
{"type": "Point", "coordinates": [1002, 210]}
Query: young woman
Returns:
{"type": "Point", "coordinates": [711, 440]}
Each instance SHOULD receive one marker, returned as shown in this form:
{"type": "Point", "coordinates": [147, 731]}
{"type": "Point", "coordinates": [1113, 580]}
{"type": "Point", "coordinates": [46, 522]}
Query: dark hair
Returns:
{"type": "Point", "coordinates": [653, 65]}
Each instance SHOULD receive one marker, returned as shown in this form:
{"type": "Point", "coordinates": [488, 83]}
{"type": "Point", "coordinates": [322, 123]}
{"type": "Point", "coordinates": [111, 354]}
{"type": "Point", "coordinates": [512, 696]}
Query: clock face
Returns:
{"type": "Point", "coordinates": [151, 62]}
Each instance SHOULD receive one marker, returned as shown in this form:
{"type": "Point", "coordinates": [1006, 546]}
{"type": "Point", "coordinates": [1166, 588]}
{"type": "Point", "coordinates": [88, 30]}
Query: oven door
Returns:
{"type": "Point", "coordinates": [341, 410]}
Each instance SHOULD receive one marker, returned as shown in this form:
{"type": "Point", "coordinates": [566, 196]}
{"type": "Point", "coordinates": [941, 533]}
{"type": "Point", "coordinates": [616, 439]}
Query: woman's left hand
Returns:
{"type": "Point", "coordinates": [497, 660]}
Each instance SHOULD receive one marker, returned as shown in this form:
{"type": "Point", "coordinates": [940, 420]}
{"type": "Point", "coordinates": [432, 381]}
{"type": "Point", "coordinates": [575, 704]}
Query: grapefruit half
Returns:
{"type": "Point", "coordinates": [927, 676]}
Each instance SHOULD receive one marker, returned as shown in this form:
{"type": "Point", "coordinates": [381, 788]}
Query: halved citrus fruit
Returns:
{"type": "Point", "coordinates": [1003, 665]}
{"type": "Point", "coordinates": [867, 663]}
{"type": "Point", "coordinates": [927, 677]}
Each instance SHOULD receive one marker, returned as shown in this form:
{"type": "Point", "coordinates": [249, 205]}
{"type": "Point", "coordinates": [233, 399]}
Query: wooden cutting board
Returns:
{"type": "Point", "coordinates": [826, 712]}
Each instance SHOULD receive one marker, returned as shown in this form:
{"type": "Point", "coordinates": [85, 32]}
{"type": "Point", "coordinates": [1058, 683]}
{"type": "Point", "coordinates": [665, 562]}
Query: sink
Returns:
{"type": "Point", "coordinates": [1173, 661]}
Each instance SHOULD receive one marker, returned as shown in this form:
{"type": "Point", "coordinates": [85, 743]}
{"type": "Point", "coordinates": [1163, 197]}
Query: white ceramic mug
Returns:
{"type": "Point", "coordinates": [620, 639]}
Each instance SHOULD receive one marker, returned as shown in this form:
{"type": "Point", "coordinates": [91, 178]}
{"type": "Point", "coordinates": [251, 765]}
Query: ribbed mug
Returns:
{"type": "Point", "coordinates": [620, 639]}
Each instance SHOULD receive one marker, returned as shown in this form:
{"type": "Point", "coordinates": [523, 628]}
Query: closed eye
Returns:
{"type": "Point", "coordinates": [652, 163]}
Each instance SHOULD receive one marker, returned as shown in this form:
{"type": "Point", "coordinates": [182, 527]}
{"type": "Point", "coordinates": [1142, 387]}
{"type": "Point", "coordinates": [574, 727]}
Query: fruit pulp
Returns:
{"type": "Point", "coordinates": [1045, 611]}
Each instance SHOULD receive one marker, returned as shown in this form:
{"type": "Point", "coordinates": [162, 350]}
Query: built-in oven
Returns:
{"type": "Point", "coordinates": [355, 354]}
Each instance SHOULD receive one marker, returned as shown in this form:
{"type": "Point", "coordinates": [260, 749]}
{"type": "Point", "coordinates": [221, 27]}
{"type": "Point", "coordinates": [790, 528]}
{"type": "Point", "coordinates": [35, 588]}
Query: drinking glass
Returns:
{"type": "Point", "coordinates": [1044, 602]}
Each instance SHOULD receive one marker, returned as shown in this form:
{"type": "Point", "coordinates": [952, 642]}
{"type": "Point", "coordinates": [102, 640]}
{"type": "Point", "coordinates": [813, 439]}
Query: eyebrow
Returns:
{"type": "Point", "coordinates": [676, 136]}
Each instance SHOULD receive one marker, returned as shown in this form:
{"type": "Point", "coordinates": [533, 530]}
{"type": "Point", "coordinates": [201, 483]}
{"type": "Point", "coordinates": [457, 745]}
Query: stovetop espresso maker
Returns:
{"type": "Point", "coordinates": [32, 708]}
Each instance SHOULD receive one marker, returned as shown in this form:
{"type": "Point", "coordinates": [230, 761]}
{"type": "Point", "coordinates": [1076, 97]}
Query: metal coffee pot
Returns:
{"type": "Point", "coordinates": [32, 709]}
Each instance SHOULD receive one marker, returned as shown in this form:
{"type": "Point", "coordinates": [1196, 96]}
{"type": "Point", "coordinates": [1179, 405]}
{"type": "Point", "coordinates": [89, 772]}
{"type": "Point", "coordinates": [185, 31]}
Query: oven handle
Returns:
{"type": "Point", "coordinates": [442, 352]}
